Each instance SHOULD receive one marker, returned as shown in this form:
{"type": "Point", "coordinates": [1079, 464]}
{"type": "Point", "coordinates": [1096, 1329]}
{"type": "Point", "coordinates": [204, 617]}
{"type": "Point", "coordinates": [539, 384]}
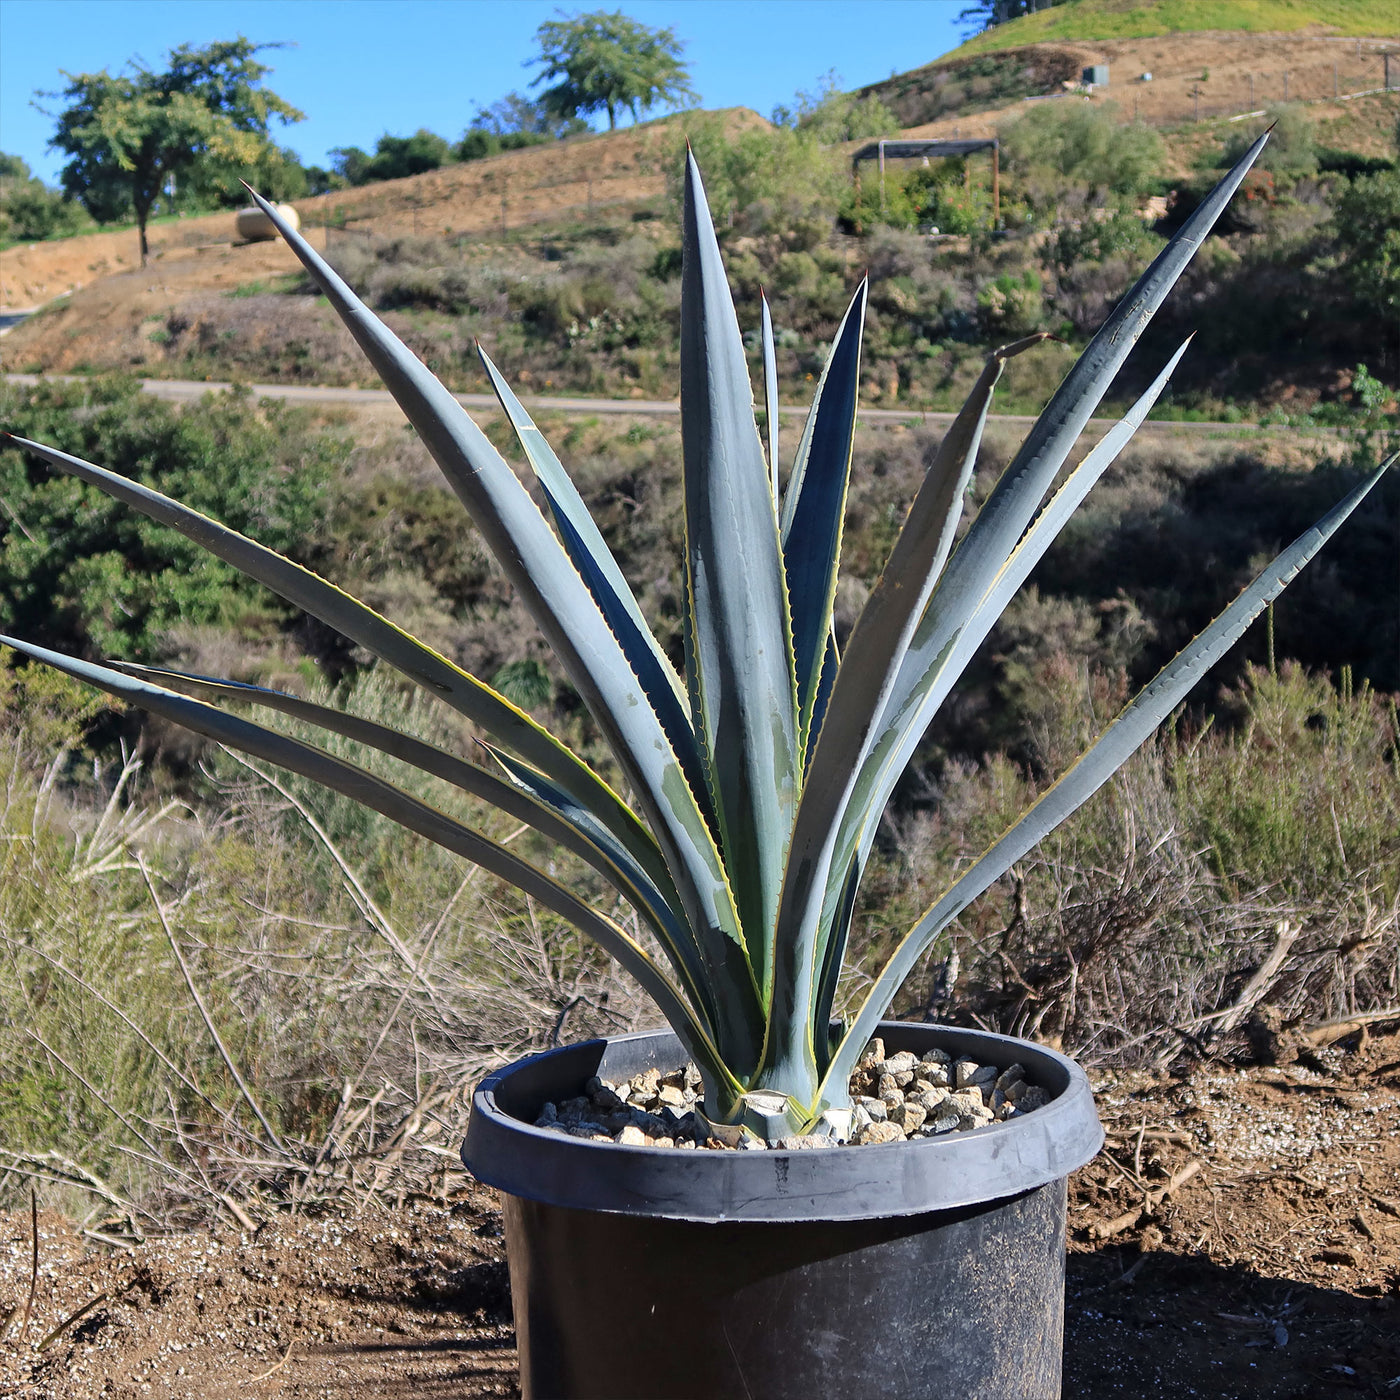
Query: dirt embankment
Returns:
{"type": "Point", "coordinates": [489, 197]}
{"type": "Point", "coordinates": [1194, 76]}
{"type": "Point", "coordinates": [1238, 1237]}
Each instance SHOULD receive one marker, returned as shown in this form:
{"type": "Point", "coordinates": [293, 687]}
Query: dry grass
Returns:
{"type": "Point", "coordinates": [242, 1003]}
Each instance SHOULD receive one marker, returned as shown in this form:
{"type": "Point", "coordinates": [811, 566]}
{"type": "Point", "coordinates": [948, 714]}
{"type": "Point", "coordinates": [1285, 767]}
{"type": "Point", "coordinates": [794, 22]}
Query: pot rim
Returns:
{"type": "Point", "coordinates": [948, 1172]}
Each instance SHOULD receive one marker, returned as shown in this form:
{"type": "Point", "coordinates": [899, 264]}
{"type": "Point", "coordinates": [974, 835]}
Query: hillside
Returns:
{"type": "Point", "coordinates": [1195, 76]}
{"type": "Point", "coordinates": [554, 257]}
{"type": "Point", "coordinates": [1131, 19]}
{"type": "Point", "coordinates": [492, 196]}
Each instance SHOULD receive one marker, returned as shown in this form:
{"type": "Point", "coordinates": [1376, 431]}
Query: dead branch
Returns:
{"type": "Point", "coordinates": [71, 1319]}
{"type": "Point", "coordinates": [1327, 1032]}
{"type": "Point", "coordinates": [1254, 989]}
{"type": "Point", "coordinates": [1106, 1229]}
{"type": "Point", "coordinates": [34, 1260]}
{"type": "Point", "coordinates": [273, 1369]}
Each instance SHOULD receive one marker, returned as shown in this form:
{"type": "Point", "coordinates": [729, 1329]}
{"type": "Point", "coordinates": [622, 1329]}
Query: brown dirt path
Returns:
{"type": "Point", "coordinates": [1271, 1272]}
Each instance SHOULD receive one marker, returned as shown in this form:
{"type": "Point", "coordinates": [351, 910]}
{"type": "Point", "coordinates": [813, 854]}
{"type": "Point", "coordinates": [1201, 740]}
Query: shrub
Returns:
{"type": "Point", "coordinates": [477, 143]}
{"type": "Point", "coordinates": [30, 210]}
{"type": "Point", "coordinates": [934, 195]}
{"type": "Point", "coordinates": [1122, 234]}
{"type": "Point", "coordinates": [394, 157]}
{"type": "Point", "coordinates": [1011, 305]}
{"type": "Point", "coordinates": [1083, 145]}
{"type": "Point", "coordinates": [832, 116]}
{"type": "Point", "coordinates": [1095, 261]}
{"type": "Point", "coordinates": [1292, 150]}
{"type": "Point", "coordinates": [786, 168]}
{"type": "Point", "coordinates": [122, 581]}
{"type": "Point", "coordinates": [1367, 227]}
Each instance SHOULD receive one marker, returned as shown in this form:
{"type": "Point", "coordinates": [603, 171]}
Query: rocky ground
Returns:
{"type": "Point", "coordinates": [1238, 1237]}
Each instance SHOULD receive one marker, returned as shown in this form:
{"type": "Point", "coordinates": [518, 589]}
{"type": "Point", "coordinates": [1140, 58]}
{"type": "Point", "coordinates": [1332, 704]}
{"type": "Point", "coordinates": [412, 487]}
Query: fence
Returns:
{"type": "Point", "coordinates": [1199, 94]}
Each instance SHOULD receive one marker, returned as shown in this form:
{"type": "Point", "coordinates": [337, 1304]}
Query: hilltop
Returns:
{"type": "Point", "coordinates": [1131, 19]}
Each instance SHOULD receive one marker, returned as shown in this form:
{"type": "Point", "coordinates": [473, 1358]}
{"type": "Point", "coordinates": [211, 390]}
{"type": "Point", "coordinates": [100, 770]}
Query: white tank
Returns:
{"type": "Point", "coordinates": [253, 226]}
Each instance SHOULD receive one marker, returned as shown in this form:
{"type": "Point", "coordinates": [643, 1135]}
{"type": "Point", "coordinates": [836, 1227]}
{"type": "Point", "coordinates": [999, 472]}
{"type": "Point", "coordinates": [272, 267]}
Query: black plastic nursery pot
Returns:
{"type": "Point", "coordinates": [929, 1268]}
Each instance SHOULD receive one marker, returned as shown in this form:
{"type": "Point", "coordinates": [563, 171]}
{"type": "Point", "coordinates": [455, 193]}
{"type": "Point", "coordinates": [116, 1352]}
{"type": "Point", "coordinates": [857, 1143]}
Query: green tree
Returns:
{"type": "Point", "coordinates": [394, 157]}
{"type": "Point", "coordinates": [518, 114]}
{"type": "Point", "coordinates": [128, 137]}
{"type": "Point", "coordinates": [604, 61]}
{"type": "Point", "coordinates": [987, 14]}
{"type": "Point", "coordinates": [397, 156]}
{"type": "Point", "coordinates": [515, 121]}
{"type": "Point", "coordinates": [831, 116]}
{"type": "Point", "coordinates": [277, 174]}
{"type": "Point", "coordinates": [348, 165]}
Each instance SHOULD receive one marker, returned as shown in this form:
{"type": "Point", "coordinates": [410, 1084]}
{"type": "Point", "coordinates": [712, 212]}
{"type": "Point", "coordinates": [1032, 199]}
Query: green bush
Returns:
{"type": "Point", "coordinates": [479, 143]}
{"type": "Point", "coordinates": [832, 116]}
{"type": "Point", "coordinates": [30, 210]}
{"type": "Point", "coordinates": [1304, 793]}
{"type": "Point", "coordinates": [932, 196]}
{"type": "Point", "coordinates": [1367, 225]}
{"type": "Point", "coordinates": [394, 158]}
{"type": "Point", "coordinates": [787, 168]}
{"type": "Point", "coordinates": [1012, 305]}
{"type": "Point", "coordinates": [85, 574]}
{"type": "Point", "coordinates": [1292, 150]}
{"type": "Point", "coordinates": [1122, 235]}
{"type": "Point", "coordinates": [1083, 146]}
{"type": "Point", "coordinates": [789, 171]}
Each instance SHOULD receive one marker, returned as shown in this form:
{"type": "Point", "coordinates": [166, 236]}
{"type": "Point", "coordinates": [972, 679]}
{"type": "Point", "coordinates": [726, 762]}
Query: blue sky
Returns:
{"type": "Point", "coordinates": [363, 67]}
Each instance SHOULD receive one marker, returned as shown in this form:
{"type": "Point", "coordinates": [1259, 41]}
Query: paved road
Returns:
{"type": "Point", "coordinates": [185, 390]}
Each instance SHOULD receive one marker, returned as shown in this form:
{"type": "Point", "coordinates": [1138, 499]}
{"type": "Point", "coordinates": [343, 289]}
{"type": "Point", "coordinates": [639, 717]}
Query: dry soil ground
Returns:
{"type": "Point", "coordinates": [480, 197]}
{"type": "Point", "coordinates": [1216, 74]}
{"type": "Point", "coordinates": [1270, 1270]}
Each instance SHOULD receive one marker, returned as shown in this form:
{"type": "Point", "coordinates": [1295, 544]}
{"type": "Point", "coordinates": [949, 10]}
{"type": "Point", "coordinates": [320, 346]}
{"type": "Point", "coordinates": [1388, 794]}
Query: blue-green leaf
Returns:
{"type": "Point", "coordinates": [868, 671]}
{"type": "Point", "coordinates": [508, 724]}
{"type": "Point", "coordinates": [814, 506]}
{"type": "Point", "coordinates": [1018, 494]}
{"type": "Point", "coordinates": [528, 796]}
{"type": "Point", "coordinates": [610, 589]}
{"type": "Point", "coordinates": [550, 586]}
{"type": "Point", "coordinates": [409, 812]}
{"type": "Point", "coordinates": [1137, 722]}
{"type": "Point", "coordinates": [770, 394]}
{"type": "Point", "coordinates": [739, 663]}
{"type": "Point", "coordinates": [926, 677]}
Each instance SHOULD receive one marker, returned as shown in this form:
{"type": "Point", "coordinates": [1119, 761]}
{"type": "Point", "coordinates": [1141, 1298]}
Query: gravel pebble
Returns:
{"type": "Point", "coordinates": [893, 1098]}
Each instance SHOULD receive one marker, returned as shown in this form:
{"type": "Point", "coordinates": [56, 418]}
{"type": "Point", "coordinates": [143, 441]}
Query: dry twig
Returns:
{"type": "Point", "coordinates": [204, 1010]}
{"type": "Point", "coordinates": [1327, 1032]}
{"type": "Point", "coordinates": [1263, 977]}
{"type": "Point", "coordinates": [1108, 1228]}
{"type": "Point", "coordinates": [34, 1261]}
{"type": "Point", "coordinates": [271, 1370]}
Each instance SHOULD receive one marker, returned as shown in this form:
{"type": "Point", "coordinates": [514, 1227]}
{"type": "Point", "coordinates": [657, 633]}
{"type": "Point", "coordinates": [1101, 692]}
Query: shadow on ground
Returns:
{"type": "Point", "coordinates": [1168, 1325]}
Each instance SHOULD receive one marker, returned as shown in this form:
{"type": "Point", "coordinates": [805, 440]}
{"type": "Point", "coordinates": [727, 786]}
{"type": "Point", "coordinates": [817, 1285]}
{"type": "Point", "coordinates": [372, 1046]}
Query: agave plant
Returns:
{"type": "Point", "coordinates": [752, 782]}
